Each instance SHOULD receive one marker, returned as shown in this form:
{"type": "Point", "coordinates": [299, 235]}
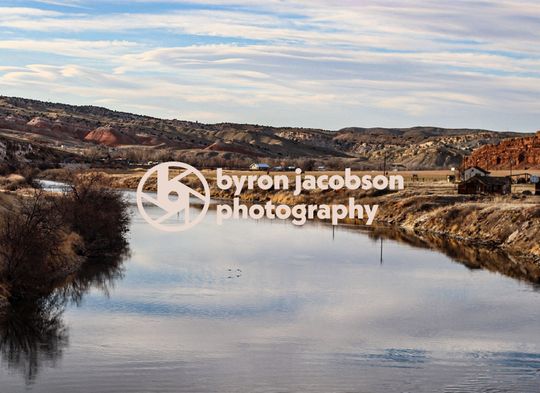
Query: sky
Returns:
{"type": "Point", "coordinates": [309, 63]}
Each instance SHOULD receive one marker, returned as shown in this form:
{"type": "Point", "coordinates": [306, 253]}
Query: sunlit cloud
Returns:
{"type": "Point", "coordinates": [310, 63]}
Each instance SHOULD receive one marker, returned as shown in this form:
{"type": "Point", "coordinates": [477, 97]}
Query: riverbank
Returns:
{"type": "Point", "coordinates": [39, 251]}
{"type": "Point", "coordinates": [511, 225]}
{"type": "Point", "coordinates": [473, 256]}
{"type": "Point", "coordinates": [430, 206]}
{"type": "Point", "coordinates": [47, 237]}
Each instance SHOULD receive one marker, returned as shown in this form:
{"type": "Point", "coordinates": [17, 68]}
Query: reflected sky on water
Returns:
{"type": "Point", "coordinates": [264, 306]}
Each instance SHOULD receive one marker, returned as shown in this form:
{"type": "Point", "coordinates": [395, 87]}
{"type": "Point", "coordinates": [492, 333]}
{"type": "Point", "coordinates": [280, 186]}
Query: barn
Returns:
{"type": "Point", "coordinates": [473, 171]}
{"type": "Point", "coordinates": [485, 185]}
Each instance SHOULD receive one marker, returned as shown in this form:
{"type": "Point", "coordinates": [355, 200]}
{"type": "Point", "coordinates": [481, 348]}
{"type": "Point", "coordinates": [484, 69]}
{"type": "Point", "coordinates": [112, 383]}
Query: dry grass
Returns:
{"type": "Point", "coordinates": [12, 182]}
{"type": "Point", "coordinates": [6, 202]}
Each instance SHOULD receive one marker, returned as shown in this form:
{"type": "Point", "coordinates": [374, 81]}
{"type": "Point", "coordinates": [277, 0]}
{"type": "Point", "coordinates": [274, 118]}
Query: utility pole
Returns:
{"type": "Point", "coordinates": [511, 182]}
{"type": "Point", "coordinates": [381, 259]}
{"type": "Point", "coordinates": [511, 163]}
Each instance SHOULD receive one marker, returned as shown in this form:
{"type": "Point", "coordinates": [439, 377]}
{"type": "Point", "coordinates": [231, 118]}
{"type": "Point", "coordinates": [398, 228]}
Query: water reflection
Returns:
{"type": "Point", "coordinates": [473, 257]}
{"type": "Point", "coordinates": [266, 306]}
{"type": "Point", "coordinates": [33, 333]}
{"type": "Point", "coordinates": [99, 273]}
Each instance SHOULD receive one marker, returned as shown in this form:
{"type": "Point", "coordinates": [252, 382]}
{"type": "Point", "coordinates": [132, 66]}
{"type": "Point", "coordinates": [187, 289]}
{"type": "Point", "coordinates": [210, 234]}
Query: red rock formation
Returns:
{"type": "Point", "coordinates": [108, 136]}
{"type": "Point", "coordinates": [519, 153]}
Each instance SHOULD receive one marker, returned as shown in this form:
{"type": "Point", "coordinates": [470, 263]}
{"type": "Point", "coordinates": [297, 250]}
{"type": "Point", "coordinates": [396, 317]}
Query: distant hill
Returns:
{"type": "Point", "coordinates": [79, 128]}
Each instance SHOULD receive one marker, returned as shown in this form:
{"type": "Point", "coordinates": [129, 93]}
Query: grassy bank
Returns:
{"type": "Point", "coordinates": [510, 224]}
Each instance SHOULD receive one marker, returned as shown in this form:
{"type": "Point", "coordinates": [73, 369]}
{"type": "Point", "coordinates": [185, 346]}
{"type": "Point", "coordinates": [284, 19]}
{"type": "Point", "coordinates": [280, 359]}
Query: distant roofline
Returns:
{"type": "Point", "coordinates": [480, 169]}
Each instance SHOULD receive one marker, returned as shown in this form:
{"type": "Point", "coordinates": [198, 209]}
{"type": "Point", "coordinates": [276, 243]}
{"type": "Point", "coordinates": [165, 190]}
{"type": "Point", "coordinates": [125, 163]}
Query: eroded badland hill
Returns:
{"type": "Point", "coordinates": [79, 129]}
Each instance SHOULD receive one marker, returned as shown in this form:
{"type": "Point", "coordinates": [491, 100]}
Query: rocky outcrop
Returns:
{"type": "Point", "coordinates": [40, 122]}
{"type": "Point", "coordinates": [16, 152]}
{"type": "Point", "coordinates": [109, 136]}
{"type": "Point", "coordinates": [519, 153]}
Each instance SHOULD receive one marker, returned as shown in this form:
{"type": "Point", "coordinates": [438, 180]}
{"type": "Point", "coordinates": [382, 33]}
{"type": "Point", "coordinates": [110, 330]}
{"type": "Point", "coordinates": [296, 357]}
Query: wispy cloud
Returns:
{"type": "Point", "coordinates": [313, 63]}
{"type": "Point", "coordinates": [63, 3]}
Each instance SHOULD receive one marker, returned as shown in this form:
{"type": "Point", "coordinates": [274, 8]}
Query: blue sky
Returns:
{"type": "Point", "coordinates": [311, 63]}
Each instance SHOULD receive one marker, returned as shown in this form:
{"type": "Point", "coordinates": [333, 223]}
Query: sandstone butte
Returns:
{"type": "Point", "coordinates": [519, 153]}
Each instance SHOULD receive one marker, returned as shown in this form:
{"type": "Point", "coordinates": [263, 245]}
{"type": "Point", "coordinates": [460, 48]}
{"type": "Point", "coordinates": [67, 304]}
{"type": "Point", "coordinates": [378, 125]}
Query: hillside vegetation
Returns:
{"type": "Point", "coordinates": [77, 129]}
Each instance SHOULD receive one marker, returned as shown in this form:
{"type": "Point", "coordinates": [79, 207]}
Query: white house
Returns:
{"type": "Point", "coordinates": [259, 167]}
{"type": "Point", "coordinates": [472, 172]}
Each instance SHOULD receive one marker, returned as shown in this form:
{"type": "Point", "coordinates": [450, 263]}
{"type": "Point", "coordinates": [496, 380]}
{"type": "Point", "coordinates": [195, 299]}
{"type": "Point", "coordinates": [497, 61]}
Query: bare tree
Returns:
{"type": "Point", "coordinates": [97, 213]}
{"type": "Point", "coordinates": [31, 240]}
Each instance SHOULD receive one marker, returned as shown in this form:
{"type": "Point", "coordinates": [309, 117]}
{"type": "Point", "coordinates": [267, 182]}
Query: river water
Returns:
{"type": "Point", "coordinates": [264, 306]}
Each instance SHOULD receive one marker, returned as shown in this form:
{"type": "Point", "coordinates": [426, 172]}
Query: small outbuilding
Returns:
{"type": "Point", "coordinates": [485, 185]}
{"type": "Point", "coordinates": [473, 171]}
{"type": "Point", "coordinates": [259, 167]}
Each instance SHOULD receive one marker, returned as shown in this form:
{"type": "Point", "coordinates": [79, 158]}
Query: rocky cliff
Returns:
{"type": "Point", "coordinates": [518, 153]}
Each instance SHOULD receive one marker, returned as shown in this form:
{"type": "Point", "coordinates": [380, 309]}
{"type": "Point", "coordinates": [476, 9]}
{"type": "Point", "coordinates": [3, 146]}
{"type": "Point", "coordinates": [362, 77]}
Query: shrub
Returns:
{"type": "Point", "coordinates": [29, 173]}
{"type": "Point", "coordinates": [98, 214]}
{"type": "Point", "coordinates": [32, 245]}
{"type": "Point", "coordinates": [43, 238]}
{"type": "Point", "coordinates": [5, 169]}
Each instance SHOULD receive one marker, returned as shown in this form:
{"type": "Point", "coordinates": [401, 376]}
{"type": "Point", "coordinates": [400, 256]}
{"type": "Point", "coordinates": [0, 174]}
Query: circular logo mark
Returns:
{"type": "Point", "coordinates": [172, 196]}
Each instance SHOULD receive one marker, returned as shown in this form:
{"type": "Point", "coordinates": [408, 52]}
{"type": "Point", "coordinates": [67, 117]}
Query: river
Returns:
{"type": "Point", "coordinates": [265, 306]}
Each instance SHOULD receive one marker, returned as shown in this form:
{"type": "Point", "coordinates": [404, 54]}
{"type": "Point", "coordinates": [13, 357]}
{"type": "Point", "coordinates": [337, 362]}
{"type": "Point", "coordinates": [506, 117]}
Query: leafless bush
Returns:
{"type": "Point", "coordinates": [32, 244]}
{"type": "Point", "coordinates": [97, 213]}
